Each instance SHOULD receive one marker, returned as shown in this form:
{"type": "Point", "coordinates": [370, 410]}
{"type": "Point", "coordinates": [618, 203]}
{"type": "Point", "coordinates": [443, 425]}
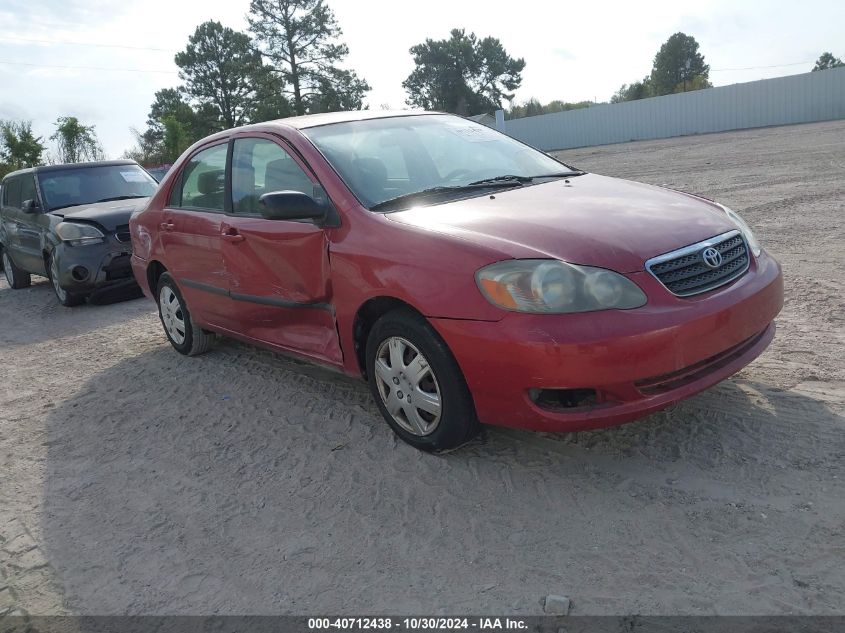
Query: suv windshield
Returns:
{"type": "Point", "coordinates": [85, 185]}
{"type": "Point", "coordinates": [391, 158]}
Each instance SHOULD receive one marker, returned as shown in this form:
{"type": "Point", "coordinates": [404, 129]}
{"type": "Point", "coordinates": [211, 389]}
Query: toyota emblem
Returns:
{"type": "Point", "coordinates": [711, 257]}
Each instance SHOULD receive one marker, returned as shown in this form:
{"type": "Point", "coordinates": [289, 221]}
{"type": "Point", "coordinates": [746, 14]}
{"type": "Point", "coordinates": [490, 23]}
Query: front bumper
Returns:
{"type": "Point", "coordinates": [638, 361]}
{"type": "Point", "coordinates": [84, 269]}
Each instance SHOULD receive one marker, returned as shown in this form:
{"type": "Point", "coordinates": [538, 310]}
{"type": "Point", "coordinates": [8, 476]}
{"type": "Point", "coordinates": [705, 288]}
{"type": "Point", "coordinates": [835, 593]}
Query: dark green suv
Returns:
{"type": "Point", "coordinates": [70, 223]}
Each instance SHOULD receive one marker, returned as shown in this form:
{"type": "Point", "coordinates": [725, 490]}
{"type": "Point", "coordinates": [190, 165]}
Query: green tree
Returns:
{"type": "Point", "coordinates": [634, 91]}
{"type": "Point", "coordinates": [827, 60]}
{"type": "Point", "coordinates": [220, 68]}
{"type": "Point", "coordinates": [341, 90]}
{"type": "Point", "coordinates": [533, 107]}
{"type": "Point", "coordinates": [462, 74]}
{"type": "Point", "coordinates": [678, 66]}
{"type": "Point", "coordinates": [270, 100]}
{"type": "Point", "coordinates": [173, 125]}
{"type": "Point", "coordinates": [200, 120]}
{"type": "Point", "coordinates": [697, 82]}
{"type": "Point", "coordinates": [301, 40]}
{"type": "Point", "coordinates": [147, 150]}
{"type": "Point", "coordinates": [177, 138]}
{"type": "Point", "coordinates": [75, 142]}
{"type": "Point", "coordinates": [170, 102]}
{"type": "Point", "coordinates": [19, 147]}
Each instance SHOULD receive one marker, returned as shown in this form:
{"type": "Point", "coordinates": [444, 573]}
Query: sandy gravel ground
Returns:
{"type": "Point", "coordinates": [134, 480]}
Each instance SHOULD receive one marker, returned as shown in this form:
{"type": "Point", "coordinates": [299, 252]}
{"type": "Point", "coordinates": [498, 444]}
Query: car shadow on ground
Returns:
{"type": "Point", "coordinates": [23, 312]}
{"type": "Point", "coordinates": [242, 482]}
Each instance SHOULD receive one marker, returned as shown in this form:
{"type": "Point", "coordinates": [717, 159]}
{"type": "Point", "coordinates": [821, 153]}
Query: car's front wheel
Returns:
{"type": "Point", "coordinates": [66, 298]}
{"type": "Point", "coordinates": [185, 337]}
{"type": "Point", "coordinates": [15, 277]}
{"type": "Point", "coordinates": [417, 383]}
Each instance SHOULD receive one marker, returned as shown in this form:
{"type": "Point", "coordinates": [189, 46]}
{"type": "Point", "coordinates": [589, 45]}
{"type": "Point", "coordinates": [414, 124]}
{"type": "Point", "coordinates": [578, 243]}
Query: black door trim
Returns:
{"type": "Point", "coordinates": [269, 301]}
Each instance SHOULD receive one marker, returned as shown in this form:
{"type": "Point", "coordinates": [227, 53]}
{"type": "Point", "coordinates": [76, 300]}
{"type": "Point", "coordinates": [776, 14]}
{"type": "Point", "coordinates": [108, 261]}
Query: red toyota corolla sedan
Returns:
{"type": "Point", "coordinates": [468, 277]}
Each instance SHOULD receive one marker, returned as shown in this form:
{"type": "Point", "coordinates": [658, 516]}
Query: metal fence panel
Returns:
{"type": "Point", "coordinates": [818, 96]}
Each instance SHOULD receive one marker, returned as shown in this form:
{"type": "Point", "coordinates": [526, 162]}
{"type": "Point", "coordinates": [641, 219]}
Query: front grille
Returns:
{"type": "Point", "coordinates": [122, 234]}
{"type": "Point", "coordinates": [684, 272]}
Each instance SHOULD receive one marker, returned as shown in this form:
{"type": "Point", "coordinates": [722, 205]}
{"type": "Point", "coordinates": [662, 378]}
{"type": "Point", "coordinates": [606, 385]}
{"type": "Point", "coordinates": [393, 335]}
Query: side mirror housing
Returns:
{"type": "Point", "coordinates": [31, 206]}
{"type": "Point", "coordinates": [290, 205]}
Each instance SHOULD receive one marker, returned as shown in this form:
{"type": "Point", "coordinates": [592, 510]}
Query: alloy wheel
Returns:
{"type": "Point", "coordinates": [407, 386]}
{"type": "Point", "coordinates": [172, 315]}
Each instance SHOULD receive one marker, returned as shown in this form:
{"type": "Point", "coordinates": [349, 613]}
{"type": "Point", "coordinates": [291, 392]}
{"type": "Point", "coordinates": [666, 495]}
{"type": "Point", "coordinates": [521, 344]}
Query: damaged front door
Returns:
{"type": "Point", "coordinates": [278, 270]}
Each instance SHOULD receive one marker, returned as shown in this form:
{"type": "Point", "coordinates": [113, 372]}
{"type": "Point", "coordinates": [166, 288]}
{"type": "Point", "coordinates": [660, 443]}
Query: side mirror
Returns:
{"type": "Point", "coordinates": [31, 206]}
{"type": "Point", "coordinates": [290, 205]}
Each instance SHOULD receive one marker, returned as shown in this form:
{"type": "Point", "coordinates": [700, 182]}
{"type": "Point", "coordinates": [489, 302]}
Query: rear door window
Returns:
{"type": "Point", "coordinates": [204, 180]}
{"type": "Point", "coordinates": [12, 193]}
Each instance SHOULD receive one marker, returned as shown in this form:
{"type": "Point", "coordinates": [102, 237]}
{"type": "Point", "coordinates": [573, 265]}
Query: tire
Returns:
{"type": "Point", "coordinates": [415, 372]}
{"type": "Point", "coordinates": [65, 297]}
{"type": "Point", "coordinates": [16, 277]}
{"type": "Point", "coordinates": [183, 334]}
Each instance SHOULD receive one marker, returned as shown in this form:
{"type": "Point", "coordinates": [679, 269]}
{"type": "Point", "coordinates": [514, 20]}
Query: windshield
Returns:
{"type": "Point", "coordinates": [85, 185]}
{"type": "Point", "coordinates": [383, 159]}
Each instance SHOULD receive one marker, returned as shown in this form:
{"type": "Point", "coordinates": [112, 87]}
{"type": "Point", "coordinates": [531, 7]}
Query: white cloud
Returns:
{"type": "Point", "coordinates": [573, 51]}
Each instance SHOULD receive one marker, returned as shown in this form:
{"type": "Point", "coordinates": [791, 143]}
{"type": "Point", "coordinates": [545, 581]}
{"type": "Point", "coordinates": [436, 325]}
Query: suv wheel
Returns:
{"type": "Point", "coordinates": [417, 383]}
{"type": "Point", "coordinates": [16, 277]}
{"type": "Point", "coordinates": [66, 298]}
{"type": "Point", "coordinates": [185, 337]}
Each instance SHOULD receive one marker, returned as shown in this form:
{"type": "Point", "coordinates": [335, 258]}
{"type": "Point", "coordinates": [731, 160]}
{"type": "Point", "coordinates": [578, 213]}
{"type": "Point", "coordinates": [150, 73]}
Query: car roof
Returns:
{"type": "Point", "coordinates": [328, 118]}
{"type": "Point", "coordinates": [48, 168]}
{"type": "Point", "coordinates": [314, 120]}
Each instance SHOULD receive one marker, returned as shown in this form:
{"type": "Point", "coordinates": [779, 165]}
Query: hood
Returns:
{"type": "Point", "coordinates": [594, 220]}
{"type": "Point", "coordinates": [108, 215]}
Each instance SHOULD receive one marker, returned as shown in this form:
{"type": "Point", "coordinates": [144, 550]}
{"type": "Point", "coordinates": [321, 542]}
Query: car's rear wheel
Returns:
{"type": "Point", "coordinates": [417, 383]}
{"type": "Point", "coordinates": [66, 298]}
{"type": "Point", "coordinates": [15, 277]}
{"type": "Point", "coordinates": [183, 334]}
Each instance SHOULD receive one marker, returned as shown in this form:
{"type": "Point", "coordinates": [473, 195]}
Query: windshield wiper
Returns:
{"type": "Point", "coordinates": [505, 178]}
{"type": "Point", "coordinates": [112, 199]}
{"type": "Point", "coordinates": [524, 179]}
{"type": "Point", "coordinates": [444, 189]}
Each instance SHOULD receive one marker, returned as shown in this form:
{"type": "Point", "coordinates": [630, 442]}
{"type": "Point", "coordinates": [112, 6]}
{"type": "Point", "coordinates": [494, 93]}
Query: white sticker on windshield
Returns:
{"type": "Point", "coordinates": [133, 176]}
{"type": "Point", "coordinates": [475, 133]}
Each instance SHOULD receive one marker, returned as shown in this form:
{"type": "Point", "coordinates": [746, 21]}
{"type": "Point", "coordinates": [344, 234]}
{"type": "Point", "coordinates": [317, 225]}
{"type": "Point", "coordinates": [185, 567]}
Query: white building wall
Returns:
{"type": "Point", "coordinates": [818, 96]}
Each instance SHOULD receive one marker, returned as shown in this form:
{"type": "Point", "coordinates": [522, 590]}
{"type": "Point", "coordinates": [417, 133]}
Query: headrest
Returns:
{"type": "Point", "coordinates": [284, 174]}
{"type": "Point", "coordinates": [211, 181]}
{"type": "Point", "coordinates": [282, 166]}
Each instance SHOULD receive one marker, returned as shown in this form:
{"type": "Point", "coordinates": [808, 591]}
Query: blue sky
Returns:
{"type": "Point", "coordinates": [60, 50]}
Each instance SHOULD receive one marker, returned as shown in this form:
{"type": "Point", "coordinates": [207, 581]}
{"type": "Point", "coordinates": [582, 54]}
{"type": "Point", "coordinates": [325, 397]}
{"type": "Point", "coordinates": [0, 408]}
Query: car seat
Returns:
{"type": "Point", "coordinates": [210, 185]}
{"type": "Point", "coordinates": [370, 174]}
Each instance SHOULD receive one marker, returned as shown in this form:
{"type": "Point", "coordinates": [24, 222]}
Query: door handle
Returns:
{"type": "Point", "coordinates": [231, 235]}
{"type": "Point", "coordinates": [167, 226]}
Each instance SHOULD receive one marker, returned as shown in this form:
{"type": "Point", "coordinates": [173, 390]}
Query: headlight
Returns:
{"type": "Point", "coordinates": [753, 244]}
{"type": "Point", "coordinates": [550, 286]}
{"type": "Point", "coordinates": [79, 234]}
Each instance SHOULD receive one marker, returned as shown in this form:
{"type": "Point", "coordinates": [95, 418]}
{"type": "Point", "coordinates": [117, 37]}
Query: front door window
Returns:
{"type": "Point", "coordinates": [261, 166]}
